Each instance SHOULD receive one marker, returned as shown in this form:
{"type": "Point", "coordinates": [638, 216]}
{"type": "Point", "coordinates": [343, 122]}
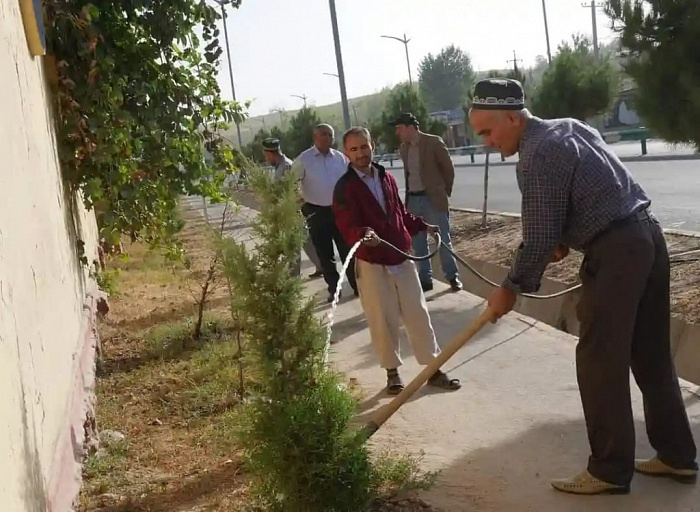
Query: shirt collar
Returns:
{"type": "Point", "coordinates": [530, 129]}
{"type": "Point", "coordinates": [318, 153]}
{"type": "Point", "coordinates": [362, 175]}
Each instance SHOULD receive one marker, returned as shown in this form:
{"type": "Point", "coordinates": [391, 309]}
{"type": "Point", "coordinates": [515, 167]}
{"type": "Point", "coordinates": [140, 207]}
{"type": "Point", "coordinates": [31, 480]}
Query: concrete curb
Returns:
{"type": "Point", "coordinates": [560, 312]}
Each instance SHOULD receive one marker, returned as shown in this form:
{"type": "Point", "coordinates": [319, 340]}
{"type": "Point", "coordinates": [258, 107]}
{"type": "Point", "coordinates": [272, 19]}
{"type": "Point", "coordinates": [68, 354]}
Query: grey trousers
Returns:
{"type": "Point", "coordinates": [624, 313]}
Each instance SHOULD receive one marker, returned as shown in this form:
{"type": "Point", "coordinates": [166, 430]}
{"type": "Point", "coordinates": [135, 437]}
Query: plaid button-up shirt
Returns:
{"type": "Point", "coordinates": [573, 187]}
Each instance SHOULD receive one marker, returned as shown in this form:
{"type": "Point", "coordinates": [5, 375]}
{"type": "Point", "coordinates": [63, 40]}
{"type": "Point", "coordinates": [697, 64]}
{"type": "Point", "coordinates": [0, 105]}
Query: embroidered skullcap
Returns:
{"type": "Point", "coordinates": [271, 144]}
{"type": "Point", "coordinates": [498, 94]}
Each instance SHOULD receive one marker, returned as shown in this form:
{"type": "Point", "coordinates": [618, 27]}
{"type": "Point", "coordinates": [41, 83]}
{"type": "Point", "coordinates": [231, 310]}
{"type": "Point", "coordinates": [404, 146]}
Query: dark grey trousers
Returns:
{"type": "Point", "coordinates": [624, 314]}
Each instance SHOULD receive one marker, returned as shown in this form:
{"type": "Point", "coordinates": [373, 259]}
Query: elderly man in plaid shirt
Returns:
{"type": "Point", "coordinates": [576, 193]}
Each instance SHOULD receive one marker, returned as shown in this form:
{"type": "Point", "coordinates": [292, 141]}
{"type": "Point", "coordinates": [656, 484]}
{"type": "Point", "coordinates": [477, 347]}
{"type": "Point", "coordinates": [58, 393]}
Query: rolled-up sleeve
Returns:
{"type": "Point", "coordinates": [545, 185]}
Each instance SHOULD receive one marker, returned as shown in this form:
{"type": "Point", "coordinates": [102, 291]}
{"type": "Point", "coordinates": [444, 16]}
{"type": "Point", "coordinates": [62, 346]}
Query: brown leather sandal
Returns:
{"type": "Point", "coordinates": [441, 380]}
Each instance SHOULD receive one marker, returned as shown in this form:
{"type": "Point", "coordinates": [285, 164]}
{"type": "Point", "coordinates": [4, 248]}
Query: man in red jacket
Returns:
{"type": "Point", "coordinates": [366, 205]}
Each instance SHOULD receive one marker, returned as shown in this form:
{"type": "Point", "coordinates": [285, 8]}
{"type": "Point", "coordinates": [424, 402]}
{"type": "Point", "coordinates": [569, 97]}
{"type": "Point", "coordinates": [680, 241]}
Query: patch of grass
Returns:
{"type": "Point", "coordinates": [179, 401]}
{"type": "Point", "coordinates": [400, 472]}
{"type": "Point", "coordinates": [169, 340]}
{"type": "Point", "coordinates": [107, 281]}
{"type": "Point", "coordinates": [104, 470]}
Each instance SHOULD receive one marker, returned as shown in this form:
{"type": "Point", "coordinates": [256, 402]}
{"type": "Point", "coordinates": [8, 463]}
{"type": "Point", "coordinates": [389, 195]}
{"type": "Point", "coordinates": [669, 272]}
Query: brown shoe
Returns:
{"type": "Point", "coordinates": [585, 483]}
{"type": "Point", "coordinates": [654, 467]}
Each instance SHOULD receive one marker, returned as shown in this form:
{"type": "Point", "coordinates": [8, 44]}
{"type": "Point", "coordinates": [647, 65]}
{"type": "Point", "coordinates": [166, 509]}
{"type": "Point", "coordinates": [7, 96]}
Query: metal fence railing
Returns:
{"type": "Point", "coordinates": [636, 134]}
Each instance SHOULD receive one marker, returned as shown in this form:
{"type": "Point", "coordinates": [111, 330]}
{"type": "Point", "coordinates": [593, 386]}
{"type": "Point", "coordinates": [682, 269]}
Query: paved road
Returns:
{"type": "Point", "coordinates": [674, 187]}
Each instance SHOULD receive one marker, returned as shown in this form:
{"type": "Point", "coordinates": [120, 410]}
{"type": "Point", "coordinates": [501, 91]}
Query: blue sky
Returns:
{"type": "Point", "coordinates": [283, 47]}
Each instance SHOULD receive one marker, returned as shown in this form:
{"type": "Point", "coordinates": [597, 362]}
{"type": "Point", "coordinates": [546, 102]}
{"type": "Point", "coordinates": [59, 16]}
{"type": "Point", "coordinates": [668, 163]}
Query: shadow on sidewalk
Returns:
{"type": "Point", "coordinates": [515, 475]}
{"type": "Point", "coordinates": [447, 324]}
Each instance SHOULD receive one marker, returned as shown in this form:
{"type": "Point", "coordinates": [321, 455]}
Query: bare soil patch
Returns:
{"type": "Point", "coordinates": [171, 401]}
{"type": "Point", "coordinates": [498, 241]}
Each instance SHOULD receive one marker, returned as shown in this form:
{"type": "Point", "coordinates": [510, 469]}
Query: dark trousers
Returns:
{"type": "Point", "coordinates": [323, 232]}
{"type": "Point", "coordinates": [624, 314]}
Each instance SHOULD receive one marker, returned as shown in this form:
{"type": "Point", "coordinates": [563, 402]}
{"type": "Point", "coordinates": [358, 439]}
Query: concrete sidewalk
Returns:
{"type": "Point", "coordinates": [516, 422]}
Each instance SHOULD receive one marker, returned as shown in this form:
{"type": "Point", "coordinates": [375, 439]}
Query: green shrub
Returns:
{"type": "Point", "coordinates": [302, 453]}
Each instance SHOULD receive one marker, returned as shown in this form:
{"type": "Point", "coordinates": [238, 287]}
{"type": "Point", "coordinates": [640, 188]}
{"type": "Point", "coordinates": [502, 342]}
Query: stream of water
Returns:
{"type": "Point", "coordinates": [336, 295]}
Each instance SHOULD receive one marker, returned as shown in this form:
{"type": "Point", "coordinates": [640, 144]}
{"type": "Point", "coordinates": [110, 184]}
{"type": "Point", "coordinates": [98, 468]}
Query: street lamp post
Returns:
{"type": "Point", "coordinates": [353, 107]}
{"type": "Point", "coordinates": [222, 4]}
{"type": "Point", "coordinates": [303, 97]}
{"type": "Point", "coordinates": [339, 61]}
{"type": "Point", "coordinates": [546, 30]}
{"type": "Point", "coordinates": [405, 42]}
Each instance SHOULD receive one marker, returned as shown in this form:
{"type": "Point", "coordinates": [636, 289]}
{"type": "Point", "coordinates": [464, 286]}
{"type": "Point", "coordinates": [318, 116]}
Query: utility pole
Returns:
{"type": "Point", "coordinates": [339, 60]}
{"type": "Point", "coordinates": [515, 61]}
{"type": "Point", "coordinates": [230, 69]}
{"type": "Point", "coordinates": [405, 42]}
{"type": "Point", "coordinates": [303, 97]}
{"type": "Point", "coordinates": [546, 30]}
{"type": "Point", "coordinates": [593, 8]}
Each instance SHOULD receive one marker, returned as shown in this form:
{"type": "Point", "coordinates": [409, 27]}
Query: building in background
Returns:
{"type": "Point", "coordinates": [622, 114]}
{"type": "Point", "coordinates": [456, 134]}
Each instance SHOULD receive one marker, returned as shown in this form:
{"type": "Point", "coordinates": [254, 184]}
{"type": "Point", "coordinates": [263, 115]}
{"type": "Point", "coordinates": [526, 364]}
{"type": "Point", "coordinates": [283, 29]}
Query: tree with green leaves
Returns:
{"type": "Point", "coordinates": [576, 84]}
{"type": "Point", "coordinates": [299, 135]}
{"type": "Point", "coordinates": [253, 150]}
{"type": "Point", "coordinates": [403, 98]}
{"type": "Point", "coordinates": [661, 42]}
{"type": "Point", "coordinates": [446, 78]}
{"type": "Point", "coordinates": [303, 451]}
{"type": "Point", "coordinates": [139, 109]}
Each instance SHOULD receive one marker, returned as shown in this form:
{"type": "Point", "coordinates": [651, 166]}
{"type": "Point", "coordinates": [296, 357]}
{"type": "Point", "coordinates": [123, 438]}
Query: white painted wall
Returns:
{"type": "Point", "coordinates": [42, 285]}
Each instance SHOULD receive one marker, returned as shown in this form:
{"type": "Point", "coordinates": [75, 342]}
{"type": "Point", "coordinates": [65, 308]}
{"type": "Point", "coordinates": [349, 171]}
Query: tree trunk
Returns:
{"type": "Point", "coordinates": [486, 191]}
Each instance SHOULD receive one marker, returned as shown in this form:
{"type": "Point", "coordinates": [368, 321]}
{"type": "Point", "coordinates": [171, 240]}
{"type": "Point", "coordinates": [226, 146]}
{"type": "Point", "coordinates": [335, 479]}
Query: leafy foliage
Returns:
{"type": "Point", "coordinates": [295, 139]}
{"type": "Point", "coordinates": [139, 109]}
{"type": "Point", "coordinates": [299, 136]}
{"type": "Point", "coordinates": [403, 98]}
{"type": "Point", "coordinates": [446, 78]}
{"type": "Point", "coordinates": [253, 150]}
{"type": "Point", "coordinates": [662, 39]}
{"type": "Point", "coordinates": [301, 451]}
{"type": "Point", "coordinates": [576, 84]}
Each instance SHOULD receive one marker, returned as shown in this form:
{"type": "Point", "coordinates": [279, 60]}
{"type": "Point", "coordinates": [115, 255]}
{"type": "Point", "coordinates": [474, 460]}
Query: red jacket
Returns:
{"type": "Point", "coordinates": [357, 210]}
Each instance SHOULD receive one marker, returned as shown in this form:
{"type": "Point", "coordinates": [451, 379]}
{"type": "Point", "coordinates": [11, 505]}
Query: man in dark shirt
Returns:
{"type": "Point", "coordinates": [577, 193]}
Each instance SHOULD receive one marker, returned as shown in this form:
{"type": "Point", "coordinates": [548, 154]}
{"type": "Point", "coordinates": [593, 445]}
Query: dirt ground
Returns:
{"type": "Point", "coordinates": [502, 235]}
{"type": "Point", "coordinates": [167, 404]}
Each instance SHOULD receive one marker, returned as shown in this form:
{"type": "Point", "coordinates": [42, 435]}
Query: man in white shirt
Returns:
{"type": "Point", "coordinates": [319, 168]}
{"type": "Point", "coordinates": [273, 155]}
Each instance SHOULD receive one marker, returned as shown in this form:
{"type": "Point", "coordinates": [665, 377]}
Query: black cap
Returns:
{"type": "Point", "coordinates": [498, 94]}
{"type": "Point", "coordinates": [406, 118]}
{"type": "Point", "coordinates": [271, 144]}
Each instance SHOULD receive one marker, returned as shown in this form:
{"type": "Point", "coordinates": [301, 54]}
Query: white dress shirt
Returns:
{"type": "Point", "coordinates": [319, 174]}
